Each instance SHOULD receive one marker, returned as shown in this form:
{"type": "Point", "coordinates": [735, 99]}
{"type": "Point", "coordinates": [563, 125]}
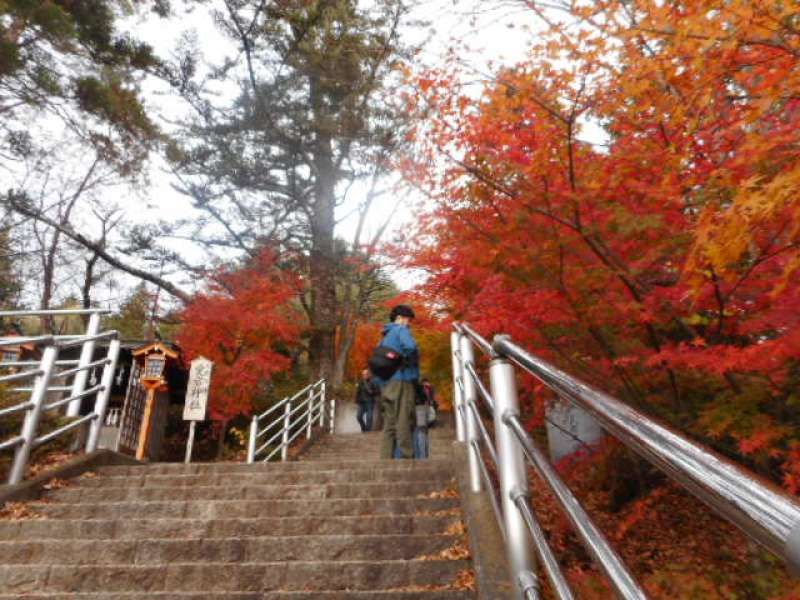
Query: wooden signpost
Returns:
{"type": "Point", "coordinates": [196, 398]}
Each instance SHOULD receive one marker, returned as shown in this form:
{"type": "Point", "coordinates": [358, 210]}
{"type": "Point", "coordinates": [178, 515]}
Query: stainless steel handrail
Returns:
{"type": "Point", "coordinates": [289, 425]}
{"type": "Point", "coordinates": [16, 341]}
{"type": "Point", "coordinates": [593, 539]}
{"type": "Point", "coordinates": [81, 340]}
{"type": "Point", "coordinates": [78, 369]}
{"type": "Point", "coordinates": [42, 391]}
{"type": "Point", "coordinates": [543, 550]}
{"type": "Point", "coordinates": [54, 312]}
{"type": "Point", "coordinates": [20, 375]}
{"type": "Point", "coordinates": [762, 510]}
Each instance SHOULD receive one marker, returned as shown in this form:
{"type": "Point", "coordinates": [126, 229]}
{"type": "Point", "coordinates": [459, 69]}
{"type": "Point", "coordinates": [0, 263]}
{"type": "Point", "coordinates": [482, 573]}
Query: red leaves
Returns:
{"type": "Point", "coordinates": [241, 323]}
{"type": "Point", "coordinates": [661, 261]}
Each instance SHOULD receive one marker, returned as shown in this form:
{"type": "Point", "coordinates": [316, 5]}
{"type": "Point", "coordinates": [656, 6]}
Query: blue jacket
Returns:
{"type": "Point", "coordinates": [398, 337]}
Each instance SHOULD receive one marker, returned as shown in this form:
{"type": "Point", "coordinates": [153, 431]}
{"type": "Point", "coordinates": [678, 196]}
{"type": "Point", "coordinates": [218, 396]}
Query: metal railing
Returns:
{"type": "Point", "coordinates": [294, 416]}
{"type": "Point", "coordinates": [44, 394]}
{"type": "Point", "coordinates": [760, 509]}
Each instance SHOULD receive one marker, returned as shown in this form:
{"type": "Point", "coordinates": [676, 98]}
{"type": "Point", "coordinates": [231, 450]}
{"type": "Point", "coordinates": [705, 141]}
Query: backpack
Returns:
{"type": "Point", "coordinates": [385, 362]}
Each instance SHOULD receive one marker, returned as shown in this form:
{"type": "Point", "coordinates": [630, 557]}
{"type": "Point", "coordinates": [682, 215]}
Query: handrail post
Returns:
{"type": "Point", "coordinates": [310, 419]}
{"type": "Point", "coordinates": [30, 425]}
{"type": "Point", "coordinates": [101, 399]}
{"type": "Point", "coordinates": [251, 442]}
{"type": "Point", "coordinates": [470, 397]}
{"type": "Point", "coordinates": [511, 466]}
{"type": "Point", "coordinates": [333, 415]}
{"type": "Point", "coordinates": [457, 397]}
{"type": "Point", "coordinates": [321, 404]}
{"type": "Point", "coordinates": [287, 423]}
{"type": "Point", "coordinates": [87, 352]}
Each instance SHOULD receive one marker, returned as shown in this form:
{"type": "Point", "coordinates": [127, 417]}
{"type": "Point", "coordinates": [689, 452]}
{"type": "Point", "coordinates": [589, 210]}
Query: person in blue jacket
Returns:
{"type": "Point", "coordinates": [398, 395]}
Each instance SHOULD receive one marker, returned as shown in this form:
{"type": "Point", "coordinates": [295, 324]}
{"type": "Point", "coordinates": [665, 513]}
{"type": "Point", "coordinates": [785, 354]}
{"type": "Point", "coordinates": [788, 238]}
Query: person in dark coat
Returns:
{"type": "Point", "coordinates": [366, 394]}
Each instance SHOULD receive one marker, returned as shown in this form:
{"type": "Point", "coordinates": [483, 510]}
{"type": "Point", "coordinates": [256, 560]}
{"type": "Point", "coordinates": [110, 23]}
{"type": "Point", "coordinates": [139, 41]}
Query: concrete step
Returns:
{"type": "Point", "coordinates": [224, 550]}
{"type": "Point", "coordinates": [329, 464]}
{"type": "Point", "coordinates": [223, 577]}
{"type": "Point", "coordinates": [248, 492]}
{"type": "Point", "coordinates": [230, 509]}
{"type": "Point", "coordinates": [133, 529]}
{"type": "Point", "coordinates": [375, 475]}
{"type": "Point", "coordinates": [433, 594]}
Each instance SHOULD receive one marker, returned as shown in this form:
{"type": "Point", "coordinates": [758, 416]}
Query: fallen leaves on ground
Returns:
{"type": "Point", "coordinates": [445, 512]}
{"type": "Point", "coordinates": [456, 528]}
{"type": "Point", "coordinates": [465, 580]}
{"type": "Point", "coordinates": [49, 461]}
{"type": "Point", "coordinates": [458, 551]}
{"type": "Point", "coordinates": [439, 494]}
{"type": "Point", "coordinates": [56, 484]}
{"type": "Point", "coordinates": [18, 511]}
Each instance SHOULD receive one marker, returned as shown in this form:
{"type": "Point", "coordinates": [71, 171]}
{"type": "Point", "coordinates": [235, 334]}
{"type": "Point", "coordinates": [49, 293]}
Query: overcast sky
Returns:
{"type": "Point", "coordinates": [494, 34]}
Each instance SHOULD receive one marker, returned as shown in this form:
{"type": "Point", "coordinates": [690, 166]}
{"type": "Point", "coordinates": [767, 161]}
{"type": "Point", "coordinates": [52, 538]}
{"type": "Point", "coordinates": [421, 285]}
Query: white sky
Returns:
{"type": "Point", "coordinates": [487, 38]}
{"type": "Point", "coordinates": [494, 36]}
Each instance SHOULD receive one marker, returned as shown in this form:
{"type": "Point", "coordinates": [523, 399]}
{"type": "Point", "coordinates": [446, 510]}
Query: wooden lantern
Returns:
{"type": "Point", "coordinates": [153, 358]}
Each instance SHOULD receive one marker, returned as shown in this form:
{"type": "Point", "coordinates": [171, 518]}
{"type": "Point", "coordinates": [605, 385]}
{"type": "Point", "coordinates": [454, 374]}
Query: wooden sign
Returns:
{"type": "Point", "coordinates": [197, 390]}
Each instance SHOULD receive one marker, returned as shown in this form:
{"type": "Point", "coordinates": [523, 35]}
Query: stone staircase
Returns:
{"type": "Point", "coordinates": [337, 524]}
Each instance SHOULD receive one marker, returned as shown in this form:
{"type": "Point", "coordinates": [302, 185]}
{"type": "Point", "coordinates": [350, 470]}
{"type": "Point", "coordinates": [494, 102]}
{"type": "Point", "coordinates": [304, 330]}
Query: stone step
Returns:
{"type": "Point", "coordinates": [145, 479]}
{"type": "Point", "coordinates": [248, 492]}
{"type": "Point", "coordinates": [132, 529]}
{"type": "Point", "coordinates": [271, 467]}
{"type": "Point", "coordinates": [241, 577]}
{"type": "Point", "coordinates": [224, 550]}
{"type": "Point", "coordinates": [433, 594]}
{"type": "Point", "coordinates": [228, 509]}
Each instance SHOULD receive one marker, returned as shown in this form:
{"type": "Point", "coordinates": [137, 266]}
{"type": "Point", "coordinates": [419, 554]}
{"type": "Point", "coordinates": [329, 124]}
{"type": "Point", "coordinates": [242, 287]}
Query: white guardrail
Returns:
{"type": "Point", "coordinates": [764, 512]}
{"type": "Point", "coordinates": [290, 422]}
{"type": "Point", "coordinates": [49, 384]}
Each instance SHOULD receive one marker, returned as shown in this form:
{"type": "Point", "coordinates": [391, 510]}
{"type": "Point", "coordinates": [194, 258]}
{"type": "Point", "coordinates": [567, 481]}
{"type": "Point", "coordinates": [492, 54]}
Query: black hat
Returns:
{"type": "Point", "coordinates": [401, 310]}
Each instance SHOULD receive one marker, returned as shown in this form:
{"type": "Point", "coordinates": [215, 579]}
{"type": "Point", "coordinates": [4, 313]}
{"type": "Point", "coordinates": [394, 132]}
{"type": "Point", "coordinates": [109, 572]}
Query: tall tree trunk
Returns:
{"type": "Point", "coordinates": [322, 347]}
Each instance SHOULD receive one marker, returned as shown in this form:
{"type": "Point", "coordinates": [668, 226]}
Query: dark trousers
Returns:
{"type": "Point", "coordinates": [364, 415]}
{"type": "Point", "coordinates": [398, 413]}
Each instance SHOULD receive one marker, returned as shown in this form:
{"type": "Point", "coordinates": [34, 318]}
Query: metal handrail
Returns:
{"type": "Point", "coordinates": [54, 312]}
{"type": "Point", "coordinates": [78, 369]}
{"type": "Point", "coordinates": [760, 509]}
{"type": "Point", "coordinates": [81, 340]}
{"type": "Point", "coordinates": [292, 422]}
{"type": "Point", "coordinates": [68, 399]}
{"type": "Point", "coordinates": [20, 375]}
{"type": "Point", "coordinates": [593, 539]}
{"type": "Point", "coordinates": [16, 341]}
{"type": "Point", "coordinates": [41, 390]}
{"type": "Point", "coordinates": [272, 408]}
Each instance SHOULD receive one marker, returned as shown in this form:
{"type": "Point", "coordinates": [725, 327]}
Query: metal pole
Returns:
{"type": "Point", "coordinates": [31, 423]}
{"type": "Point", "coordinates": [190, 442]}
{"type": "Point", "coordinates": [251, 442]}
{"type": "Point", "coordinates": [333, 415]}
{"type": "Point", "coordinates": [310, 419]}
{"type": "Point", "coordinates": [101, 399]}
{"type": "Point", "coordinates": [529, 584]}
{"type": "Point", "coordinates": [511, 469]}
{"type": "Point", "coordinates": [470, 398]}
{"type": "Point", "coordinates": [287, 409]}
{"type": "Point", "coordinates": [763, 511]}
{"type": "Point", "coordinates": [87, 351]}
{"type": "Point", "coordinates": [321, 404]}
{"type": "Point", "coordinates": [457, 400]}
